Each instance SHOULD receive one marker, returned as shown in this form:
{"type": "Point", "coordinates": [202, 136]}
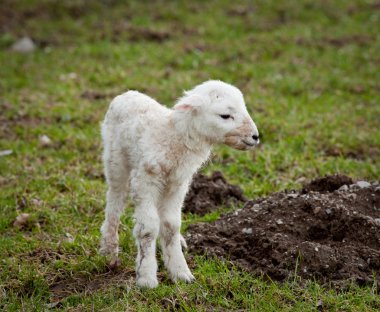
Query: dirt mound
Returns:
{"type": "Point", "coordinates": [207, 194]}
{"type": "Point", "coordinates": [327, 184]}
{"type": "Point", "coordinates": [329, 236]}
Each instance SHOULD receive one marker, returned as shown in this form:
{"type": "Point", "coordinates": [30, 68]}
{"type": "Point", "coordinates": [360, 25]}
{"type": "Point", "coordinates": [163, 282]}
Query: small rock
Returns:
{"type": "Point", "coordinates": [69, 237]}
{"type": "Point", "coordinates": [69, 76]}
{"type": "Point", "coordinates": [301, 180]}
{"type": "Point", "coordinates": [5, 152]}
{"type": "Point", "coordinates": [320, 305]}
{"type": "Point", "coordinates": [353, 186]}
{"type": "Point", "coordinates": [256, 208]}
{"type": "Point", "coordinates": [343, 188]}
{"type": "Point", "coordinates": [3, 293]}
{"type": "Point", "coordinates": [292, 195]}
{"type": "Point", "coordinates": [328, 211]}
{"type": "Point", "coordinates": [37, 202]}
{"type": "Point", "coordinates": [279, 222]}
{"type": "Point", "coordinates": [317, 210]}
{"type": "Point", "coordinates": [21, 220]}
{"type": "Point", "coordinates": [316, 249]}
{"type": "Point", "coordinates": [377, 189]}
{"type": "Point", "coordinates": [53, 305]}
{"type": "Point", "coordinates": [48, 49]}
{"type": "Point", "coordinates": [72, 76]}
{"type": "Point", "coordinates": [363, 184]}
{"type": "Point", "coordinates": [45, 141]}
{"type": "Point", "coordinates": [237, 212]}
{"type": "Point", "coordinates": [247, 230]}
{"type": "Point", "coordinates": [23, 45]}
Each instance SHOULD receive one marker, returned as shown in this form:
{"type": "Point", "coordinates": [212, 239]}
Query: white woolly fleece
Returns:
{"type": "Point", "coordinates": [152, 152]}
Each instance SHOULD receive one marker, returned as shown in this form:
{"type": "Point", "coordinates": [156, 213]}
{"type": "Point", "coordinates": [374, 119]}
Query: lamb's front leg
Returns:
{"type": "Point", "coordinates": [146, 231]}
{"type": "Point", "coordinates": [170, 237]}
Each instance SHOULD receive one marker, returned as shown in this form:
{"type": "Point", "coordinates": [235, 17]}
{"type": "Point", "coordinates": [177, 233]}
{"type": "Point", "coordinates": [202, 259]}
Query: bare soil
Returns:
{"type": "Point", "coordinates": [89, 284]}
{"type": "Point", "coordinates": [325, 231]}
{"type": "Point", "coordinates": [208, 193]}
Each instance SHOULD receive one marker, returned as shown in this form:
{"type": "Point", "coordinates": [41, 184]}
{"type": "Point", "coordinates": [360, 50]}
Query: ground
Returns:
{"type": "Point", "coordinates": [327, 231]}
{"type": "Point", "coordinates": [309, 72]}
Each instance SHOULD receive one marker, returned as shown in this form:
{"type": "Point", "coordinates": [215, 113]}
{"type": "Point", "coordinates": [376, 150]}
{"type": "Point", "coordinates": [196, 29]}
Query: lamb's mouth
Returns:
{"type": "Point", "coordinates": [248, 143]}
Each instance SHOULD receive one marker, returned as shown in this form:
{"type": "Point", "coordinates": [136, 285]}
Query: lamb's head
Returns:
{"type": "Point", "coordinates": [216, 111]}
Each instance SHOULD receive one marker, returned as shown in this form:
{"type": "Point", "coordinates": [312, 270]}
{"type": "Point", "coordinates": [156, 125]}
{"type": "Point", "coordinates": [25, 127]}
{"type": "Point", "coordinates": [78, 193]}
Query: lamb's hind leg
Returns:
{"type": "Point", "coordinates": [170, 237]}
{"type": "Point", "coordinates": [109, 243]}
{"type": "Point", "coordinates": [117, 178]}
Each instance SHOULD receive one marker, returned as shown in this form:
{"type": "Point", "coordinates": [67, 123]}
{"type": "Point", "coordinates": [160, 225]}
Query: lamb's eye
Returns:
{"type": "Point", "coordinates": [225, 116]}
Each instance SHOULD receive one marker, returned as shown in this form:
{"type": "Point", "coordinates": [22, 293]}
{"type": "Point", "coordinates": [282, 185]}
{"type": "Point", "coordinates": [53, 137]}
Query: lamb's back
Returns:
{"type": "Point", "coordinates": [132, 106]}
{"type": "Point", "coordinates": [132, 123]}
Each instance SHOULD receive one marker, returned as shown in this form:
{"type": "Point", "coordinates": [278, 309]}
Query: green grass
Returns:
{"type": "Point", "coordinates": [309, 72]}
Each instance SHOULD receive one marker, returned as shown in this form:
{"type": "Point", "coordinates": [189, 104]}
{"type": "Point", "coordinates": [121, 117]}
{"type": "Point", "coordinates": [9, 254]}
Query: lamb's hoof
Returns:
{"type": "Point", "coordinates": [183, 243]}
{"type": "Point", "coordinates": [114, 263]}
{"type": "Point", "coordinates": [185, 276]}
{"type": "Point", "coordinates": [147, 282]}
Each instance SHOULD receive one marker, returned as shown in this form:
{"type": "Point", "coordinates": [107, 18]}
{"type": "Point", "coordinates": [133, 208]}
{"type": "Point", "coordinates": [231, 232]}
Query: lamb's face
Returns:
{"type": "Point", "coordinates": [223, 118]}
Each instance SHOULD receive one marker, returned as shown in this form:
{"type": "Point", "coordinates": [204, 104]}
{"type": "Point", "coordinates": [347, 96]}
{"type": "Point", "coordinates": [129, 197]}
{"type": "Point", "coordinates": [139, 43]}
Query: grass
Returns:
{"type": "Point", "coordinates": [309, 72]}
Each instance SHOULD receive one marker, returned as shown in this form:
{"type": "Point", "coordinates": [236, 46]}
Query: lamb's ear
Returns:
{"type": "Point", "coordinates": [183, 107]}
{"type": "Point", "coordinates": [187, 108]}
{"type": "Point", "coordinates": [189, 103]}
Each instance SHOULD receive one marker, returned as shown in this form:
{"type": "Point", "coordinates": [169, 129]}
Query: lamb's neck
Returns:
{"type": "Point", "coordinates": [186, 134]}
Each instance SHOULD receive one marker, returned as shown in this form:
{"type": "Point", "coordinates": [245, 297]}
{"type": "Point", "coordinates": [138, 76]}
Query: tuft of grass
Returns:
{"type": "Point", "coordinates": [309, 74]}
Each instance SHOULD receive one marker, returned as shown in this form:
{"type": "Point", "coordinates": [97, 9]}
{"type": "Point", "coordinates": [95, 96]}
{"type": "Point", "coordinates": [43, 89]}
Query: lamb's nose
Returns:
{"type": "Point", "coordinates": [255, 137]}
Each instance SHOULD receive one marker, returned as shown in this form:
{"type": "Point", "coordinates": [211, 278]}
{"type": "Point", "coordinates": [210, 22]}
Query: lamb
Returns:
{"type": "Point", "coordinates": [152, 152]}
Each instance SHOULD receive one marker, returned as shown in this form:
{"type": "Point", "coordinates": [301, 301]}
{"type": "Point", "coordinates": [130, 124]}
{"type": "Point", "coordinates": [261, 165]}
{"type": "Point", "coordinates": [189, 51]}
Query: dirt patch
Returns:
{"type": "Point", "coordinates": [123, 30]}
{"type": "Point", "coordinates": [320, 232]}
{"type": "Point", "coordinates": [89, 284]}
{"type": "Point", "coordinates": [95, 95]}
{"type": "Point", "coordinates": [356, 8]}
{"type": "Point", "coordinates": [241, 10]}
{"type": "Point", "coordinates": [359, 153]}
{"type": "Point", "coordinates": [360, 40]}
{"type": "Point", "coordinates": [375, 6]}
{"type": "Point", "coordinates": [13, 15]}
{"type": "Point", "coordinates": [208, 193]}
{"type": "Point", "coordinates": [327, 184]}
{"type": "Point", "coordinates": [64, 283]}
{"type": "Point", "coordinates": [146, 34]}
{"type": "Point", "coordinates": [337, 42]}
{"type": "Point", "coordinates": [13, 117]}
{"type": "Point", "coordinates": [43, 255]}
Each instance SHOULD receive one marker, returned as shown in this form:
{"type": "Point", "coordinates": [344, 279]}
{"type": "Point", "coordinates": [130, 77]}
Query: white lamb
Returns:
{"type": "Point", "coordinates": [153, 152]}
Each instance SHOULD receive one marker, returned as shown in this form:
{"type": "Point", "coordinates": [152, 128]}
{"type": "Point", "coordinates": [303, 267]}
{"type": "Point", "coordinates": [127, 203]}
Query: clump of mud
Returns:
{"type": "Point", "coordinates": [323, 233]}
{"type": "Point", "coordinates": [327, 184]}
{"type": "Point", "coordinates": [207, 194]}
